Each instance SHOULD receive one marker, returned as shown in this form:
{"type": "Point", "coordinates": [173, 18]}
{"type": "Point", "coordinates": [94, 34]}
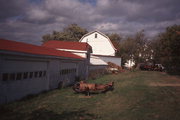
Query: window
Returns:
{"type": "Point", "coordinates": [19, 76]}
{"type": "Point", "coordinates": [40, 73]}
{"type": "Point", "coordinates": [30, 74]}
{"type": "Point", "coordinates": [12, 76]}
{"type": "Point", "coordinates": [25, 75]}
{"type": "Point", "coordinates": [95, 35]}
{"type": "Point", "coordinates": [64, 71]}
{"type": "Point", "coordinates": [5, 76]}
{"type": "Point", "coordinates": [36, 74]}
{"type": "Point", "coordinates": [44, 73]}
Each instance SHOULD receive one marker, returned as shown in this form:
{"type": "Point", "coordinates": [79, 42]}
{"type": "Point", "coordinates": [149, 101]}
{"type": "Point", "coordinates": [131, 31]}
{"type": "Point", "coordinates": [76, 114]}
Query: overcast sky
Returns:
{"type": "Point", "coordinates": [28, 20]}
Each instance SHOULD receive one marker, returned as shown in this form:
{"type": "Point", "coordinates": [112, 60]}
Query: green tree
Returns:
{"type": "Point", "coordinates": [166, 48]}
{"type": "Point", "coordinates": [116, 41]}
{"type": "Point", "coordinates": [135, 48]}
{"type": "Point", "coordinates": [72, 32]}
{"type": "Point", "coordinates": [127, 49]}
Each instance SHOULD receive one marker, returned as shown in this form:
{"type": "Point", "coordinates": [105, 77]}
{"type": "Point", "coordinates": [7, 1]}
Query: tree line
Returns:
{"type": "Point", "coordinates": [163, 49]}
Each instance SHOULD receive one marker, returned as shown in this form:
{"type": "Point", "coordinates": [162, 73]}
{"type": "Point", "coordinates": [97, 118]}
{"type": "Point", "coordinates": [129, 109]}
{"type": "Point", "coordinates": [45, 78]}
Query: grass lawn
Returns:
{"type": "Point", "coordinates": [140, 95]}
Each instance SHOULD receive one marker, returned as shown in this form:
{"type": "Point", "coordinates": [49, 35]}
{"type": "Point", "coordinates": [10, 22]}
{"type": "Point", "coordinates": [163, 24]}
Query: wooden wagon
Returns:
{"type": "Point", "coordinates": [87, 88]}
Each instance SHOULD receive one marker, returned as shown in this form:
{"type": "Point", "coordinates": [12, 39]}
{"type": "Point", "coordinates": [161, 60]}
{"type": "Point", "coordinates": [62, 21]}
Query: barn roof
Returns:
{"type": "Point", "coordinates": [67, 45]}
{"type": "Point", "coordinates": [9, 45]}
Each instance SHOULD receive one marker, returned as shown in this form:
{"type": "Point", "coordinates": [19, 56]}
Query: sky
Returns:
{"type": "Point", "coordinates": [28, 20]}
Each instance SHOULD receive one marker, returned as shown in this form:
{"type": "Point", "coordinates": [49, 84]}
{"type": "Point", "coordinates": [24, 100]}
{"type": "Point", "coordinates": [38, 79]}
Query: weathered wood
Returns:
{"type": "Point", "coordinates": [82, 87]}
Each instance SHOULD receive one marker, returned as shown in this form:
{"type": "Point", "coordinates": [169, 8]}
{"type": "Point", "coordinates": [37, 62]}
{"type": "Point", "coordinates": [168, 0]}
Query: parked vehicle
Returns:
{"type": "Point", "coordinates": [146, 66]}
{"type": "Point", "coordinates": [159, 67]}
{"type": "Point", "coordinates": [152, 67]}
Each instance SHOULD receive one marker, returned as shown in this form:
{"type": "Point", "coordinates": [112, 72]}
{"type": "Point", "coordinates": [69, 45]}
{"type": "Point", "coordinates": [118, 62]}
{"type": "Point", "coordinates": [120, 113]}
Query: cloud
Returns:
{"type": "Point", "coordinates": [28, 20]}
{"type": "Point", "coordinates": [9, 9]}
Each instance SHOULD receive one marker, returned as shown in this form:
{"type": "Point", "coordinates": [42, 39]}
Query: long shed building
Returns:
{"type": "Point", "coordinates": [29, 69]}
{"type": "Point", "coordinates": [77, 48]}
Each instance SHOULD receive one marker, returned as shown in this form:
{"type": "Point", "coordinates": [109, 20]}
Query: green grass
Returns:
{"type": "Point", "coordinates": [134, 98]}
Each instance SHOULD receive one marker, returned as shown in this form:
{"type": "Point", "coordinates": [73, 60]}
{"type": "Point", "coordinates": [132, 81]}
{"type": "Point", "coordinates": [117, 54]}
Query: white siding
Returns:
{"type": "Point", "coordinates": [100, 45]}
{"type": "Point", "coordinates": [18, 87]}
{"type": "Point", "coordinates": [68, 72]}
{"type": "Point", "coordinates": [114, 60]}
{"type": "Point", "coordinates": [57, 71]}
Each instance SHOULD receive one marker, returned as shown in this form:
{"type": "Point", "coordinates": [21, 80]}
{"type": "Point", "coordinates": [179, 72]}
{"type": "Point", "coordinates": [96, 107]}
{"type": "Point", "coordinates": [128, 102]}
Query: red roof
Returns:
{"type": "Point", "coordinates": [67, 45]}
{"type": "Point", "coordinates": [33, 49]}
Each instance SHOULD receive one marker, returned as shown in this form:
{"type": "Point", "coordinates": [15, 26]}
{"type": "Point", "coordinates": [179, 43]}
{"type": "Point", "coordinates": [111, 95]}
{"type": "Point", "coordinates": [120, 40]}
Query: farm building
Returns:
{"type": "Point", "coordinates": [77, 48]}
{"type": "Point", "coordinates": [29, 69]}
{"type": "Point", "coordinates": [102, 48]}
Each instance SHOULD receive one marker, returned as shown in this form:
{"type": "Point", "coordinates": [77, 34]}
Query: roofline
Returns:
{"type": "Point", "coordinates": [25, 52]}
{"type": "Point", "coordinates": [9, 52]}
{"type": "Point", "coordinates": [105, 56]}
{"type": "Point", "coordinates": [101, 34]}
{"type": "Point", "coordinates": [70, 49]}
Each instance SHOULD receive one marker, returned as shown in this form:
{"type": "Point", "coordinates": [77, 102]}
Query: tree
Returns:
{"type": "Point", "coordinates": [135, 48]}
{"type": "Point", "coordinates": [72, 32]}
{"type": "Point", "coordinates": [167, 50]}
{"type": "Point", "coordinates": [127, 49]}
{"type": "Point", "coordinates": [116, 40]}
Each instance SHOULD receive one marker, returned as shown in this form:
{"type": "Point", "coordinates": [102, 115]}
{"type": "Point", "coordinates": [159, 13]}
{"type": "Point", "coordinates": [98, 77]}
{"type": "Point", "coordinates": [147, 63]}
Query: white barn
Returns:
{"type": "Point", "coordinates": [100, 43]}
{"type": "Point", "coordinates": [29, 69]}
{"type": "Point", "coordinates": [102, 48]}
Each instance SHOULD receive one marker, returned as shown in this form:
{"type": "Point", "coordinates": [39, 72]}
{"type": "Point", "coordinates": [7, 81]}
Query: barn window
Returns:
{"type": "Point", "coordinates": [12, 76]}
{"type": "Point", "coordinates": [19, 76]}
{"type": "Point", "coordinates": [25, 75]}
{"type": "Point", "coordinates": [62, 72]}
{"type": "Point", "coordinates": [66, 71]}
{"type": "Point", "coordinates": [30, 74]}
{"type": "Point", "coordinates": [36, 74]}
{"type": "Point", "coordinates": [44, 73]}
{"type": "Point", "coordinates": [95, 35]}
{"type": "Point", "coordinates": [5, 76]}
{"type": "Point", "coordinates": [40, 73]}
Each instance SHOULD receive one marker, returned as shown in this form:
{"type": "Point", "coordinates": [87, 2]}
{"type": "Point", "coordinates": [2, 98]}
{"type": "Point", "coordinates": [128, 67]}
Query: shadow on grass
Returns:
{"type": "Point", "coordinates": [43, 114]}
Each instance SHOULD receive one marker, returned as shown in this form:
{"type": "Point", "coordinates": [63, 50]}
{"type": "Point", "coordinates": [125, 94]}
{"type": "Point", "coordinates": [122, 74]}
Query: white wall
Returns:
{"type": "Point", "coordinates": [57, 70]}
{"type": "Point", "coordinates": [100, 45]}
{"type": "Point", "coordinates": [15, 65]}
{"type": "Point", "coordinates": [114, 60]}
{"type": "Point", "coordinates": [97, 67]}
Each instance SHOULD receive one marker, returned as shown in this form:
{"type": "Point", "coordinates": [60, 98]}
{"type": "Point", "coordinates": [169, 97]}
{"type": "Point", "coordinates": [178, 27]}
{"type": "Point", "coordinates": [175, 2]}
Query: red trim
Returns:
{"type": "Point", "coordinates": [67, 45]}
{"type": "Point", "coordinates": [33, 49]}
